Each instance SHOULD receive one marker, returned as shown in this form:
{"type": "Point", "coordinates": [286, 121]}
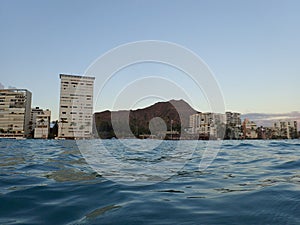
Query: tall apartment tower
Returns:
{"type": "Point", "coordinates": [15, 108]}
{"type": "Point", "coordinates": [76, 106]}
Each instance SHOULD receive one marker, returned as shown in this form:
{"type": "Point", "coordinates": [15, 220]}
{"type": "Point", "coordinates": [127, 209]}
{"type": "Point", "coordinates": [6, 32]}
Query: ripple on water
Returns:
{"type": "Point", "coordinates": [250, 182]}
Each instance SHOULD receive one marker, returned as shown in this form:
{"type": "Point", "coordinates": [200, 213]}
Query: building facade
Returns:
{"type": "Point", "coordinates": [40, 122]}
{"type": "Point", "coordinates": [202, 123]}
{"type": "Point", "coordinates": [207, 124]}
{"type": "Point", "coordinates": [233, 125]}
{"type": "Point", "coordinates": [285, 129]}
{"type": "Point", "coordinates": [250, 129]}
{"type": "Point", "coordinates": [34, 112]}
{"type": "Point", "coordinates": [15, 108]}
{"type": "Point", "coordinates": [76, 107]}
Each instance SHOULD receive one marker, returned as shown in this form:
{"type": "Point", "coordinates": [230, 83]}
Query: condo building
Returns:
{"type": "Point", "coordinates": [76, 107]}
{"type": "Point", "coordinates": [15, 108]}
{"type": "Point", "coordinates": [285, 129]}
{"type": "Point", "coordinates": [233, 125]}
{"type": "Point", "coordinates": [233, 119]}
{"type": "Point", "coordinates": [201, 123]}
{"type": "Point", "coordinates": [249, 129]}
{"type": "Point", "coordinates": [40, 122]}
{"type": "Point", "coordinates": [206, 124]}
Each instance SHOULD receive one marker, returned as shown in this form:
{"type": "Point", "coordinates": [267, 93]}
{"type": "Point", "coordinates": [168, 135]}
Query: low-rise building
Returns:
{"type": "Point", "coordinates": [41, 123]}
{"type": "Point", "coordinates": [249, 129]}
{"type": "Point", "coordinates": [32, 124]}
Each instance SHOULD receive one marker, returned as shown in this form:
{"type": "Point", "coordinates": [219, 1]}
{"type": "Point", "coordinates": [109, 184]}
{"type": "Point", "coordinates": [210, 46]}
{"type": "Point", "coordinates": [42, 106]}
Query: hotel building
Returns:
{"type": "Point", "coordinates": [76, 107]}
{"type": "Point", "coordinates": [249, 129]}
{"type": "Point", "coordinates": [15, 108]}
{"type": "Point", "coordinates": [40, 122]}
{"type": "Point", "coordinates": [206, 124]}
{"type": "Point", "coordinates": [233, 125]}
{"type": "Point", "coordinates": [285, 129]}
{"type": "Point", "coordinates": [201, 123]}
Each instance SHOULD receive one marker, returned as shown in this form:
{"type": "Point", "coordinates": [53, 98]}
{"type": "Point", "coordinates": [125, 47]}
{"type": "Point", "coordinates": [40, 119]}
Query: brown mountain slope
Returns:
{"type": "Point", "coordinates": [176, 112]}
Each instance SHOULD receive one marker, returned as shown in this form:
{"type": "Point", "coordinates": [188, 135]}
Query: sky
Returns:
{"type": "Point", "coordinates": [252, 47]}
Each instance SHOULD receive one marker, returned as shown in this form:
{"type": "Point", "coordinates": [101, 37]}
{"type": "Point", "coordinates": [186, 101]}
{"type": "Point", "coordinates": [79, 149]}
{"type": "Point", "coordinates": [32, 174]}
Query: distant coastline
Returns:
{"type": "Point", "coordinates": [182, 122]}
{"type": "Point", "coordinates": [171, 120]}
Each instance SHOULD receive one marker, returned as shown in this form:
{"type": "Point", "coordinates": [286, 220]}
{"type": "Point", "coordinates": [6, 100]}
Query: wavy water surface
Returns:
{"type": "Point", "coordinates": [250, 182]}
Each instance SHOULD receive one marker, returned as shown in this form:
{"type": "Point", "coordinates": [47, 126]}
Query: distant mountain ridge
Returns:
{"type": "Point", "coordinates": [175, 112]}
{"type": "Point", "coordinates": [268, 119]}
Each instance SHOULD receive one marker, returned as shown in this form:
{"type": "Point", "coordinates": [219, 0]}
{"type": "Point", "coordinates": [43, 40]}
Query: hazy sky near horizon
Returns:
{"type": "Point", "coordinates": [252, 47]}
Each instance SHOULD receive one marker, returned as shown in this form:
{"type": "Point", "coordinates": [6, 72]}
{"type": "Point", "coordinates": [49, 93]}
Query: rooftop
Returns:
{"type": "Point", "coordinates": [76, 76]}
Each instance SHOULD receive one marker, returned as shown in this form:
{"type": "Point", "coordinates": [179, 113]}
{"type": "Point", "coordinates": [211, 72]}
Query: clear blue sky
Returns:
{"type": "Point", "coordinates": [253, 47]}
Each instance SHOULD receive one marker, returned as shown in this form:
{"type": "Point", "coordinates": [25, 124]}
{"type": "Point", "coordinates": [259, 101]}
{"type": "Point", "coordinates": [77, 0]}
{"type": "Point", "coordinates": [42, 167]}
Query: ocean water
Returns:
{"type": "Point", "coordinates": [249, 182]}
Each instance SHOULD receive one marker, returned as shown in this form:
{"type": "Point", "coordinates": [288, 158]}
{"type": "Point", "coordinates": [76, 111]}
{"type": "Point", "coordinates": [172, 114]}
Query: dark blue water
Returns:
{"type": "Point", "coordinates": [250, 182]}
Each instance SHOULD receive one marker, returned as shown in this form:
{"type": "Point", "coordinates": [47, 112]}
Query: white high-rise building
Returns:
{"type": "Point", "coordinates": [76, 106]}
{"type": "Point", "coordinates": [15, 107]}
{"type": "Point", "coordinates": [206, 123]}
